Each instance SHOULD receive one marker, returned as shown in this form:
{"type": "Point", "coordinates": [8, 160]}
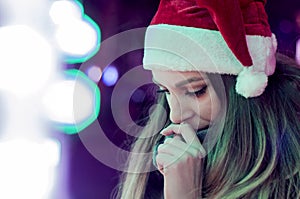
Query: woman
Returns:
{"type": "Point", "coordinates": [230, 133]}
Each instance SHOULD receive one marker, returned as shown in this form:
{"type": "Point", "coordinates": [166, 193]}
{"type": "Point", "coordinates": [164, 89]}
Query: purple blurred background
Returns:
{"type": "Point", "coordinates": [83, 176]}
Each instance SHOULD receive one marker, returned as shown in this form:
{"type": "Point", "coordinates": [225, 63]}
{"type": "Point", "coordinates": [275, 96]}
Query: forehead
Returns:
{"type": "Point", "coordinates": [174, 76]}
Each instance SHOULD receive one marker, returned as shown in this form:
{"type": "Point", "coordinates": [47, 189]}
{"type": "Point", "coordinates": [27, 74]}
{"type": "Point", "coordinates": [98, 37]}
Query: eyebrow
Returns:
{"type": "Point", "coordinates": [193, 79]}
{"type": "Point", "coordinates": [179, 84]}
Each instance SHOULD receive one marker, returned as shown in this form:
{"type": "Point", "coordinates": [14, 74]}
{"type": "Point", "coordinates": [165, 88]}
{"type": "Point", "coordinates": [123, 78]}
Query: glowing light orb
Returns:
{"type": "Point", "coordinates": [94, 73]}
{"type": "Point", "coordinates": [77, 35]}
{"type": "Point", "coordinates": [76, 38]}
{"type": "Point", "coordinates": [110, 75]}
{"type": "Point", "coordinates": [23, 12]}
{"type": "Point", "coordinates": [64, 11]}
{"type": "Point", "coordinates": [27, 60]}
{"type": "Point", "coordinates": [72, 104]}
{"type": "Point", "coordinates": [27, 168]}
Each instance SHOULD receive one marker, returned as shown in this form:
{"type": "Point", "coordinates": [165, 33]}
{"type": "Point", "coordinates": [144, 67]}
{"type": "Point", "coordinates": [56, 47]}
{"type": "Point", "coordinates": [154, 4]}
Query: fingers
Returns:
{"type": "Point", "coordinates": [172, 157]}
{"type": "Point", "coordinates": [177, 148]}
{"type": "Point", "coordinates": [187, 132]}
{"type": "Point", "coordinates": [181, 147]}
{"type": "Point", "coordinates": [162, 160]}
{"type": "Point", "coordinates": [173, 151]}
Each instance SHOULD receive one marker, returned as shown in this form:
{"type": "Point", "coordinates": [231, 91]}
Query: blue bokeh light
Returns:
{"type": "Point", "coordinates": [110, 75]}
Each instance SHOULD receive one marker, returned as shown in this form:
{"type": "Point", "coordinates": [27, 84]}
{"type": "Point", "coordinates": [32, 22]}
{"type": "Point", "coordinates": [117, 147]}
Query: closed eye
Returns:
{"type": "Point", "coordinates": [198, 93]}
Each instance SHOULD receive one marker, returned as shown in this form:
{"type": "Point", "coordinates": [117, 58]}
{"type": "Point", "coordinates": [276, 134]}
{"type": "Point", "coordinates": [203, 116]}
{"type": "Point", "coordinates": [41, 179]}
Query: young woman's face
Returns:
{"type": "Point", "coordinates": [190, 95]}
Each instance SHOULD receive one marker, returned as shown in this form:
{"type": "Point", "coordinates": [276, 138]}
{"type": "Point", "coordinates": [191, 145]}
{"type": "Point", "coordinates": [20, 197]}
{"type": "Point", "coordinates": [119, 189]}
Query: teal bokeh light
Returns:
{"type": "Point", "coordinates": [78, 76]}
{"type": "Point", "coordinates": [73, 59]}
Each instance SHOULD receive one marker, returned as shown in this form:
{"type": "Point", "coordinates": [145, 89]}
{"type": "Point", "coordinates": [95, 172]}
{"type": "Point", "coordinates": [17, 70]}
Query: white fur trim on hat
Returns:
{"type": "Point", "coordinates": [251, 83]}
{"type": "Point", "coordinates": [180, 48]}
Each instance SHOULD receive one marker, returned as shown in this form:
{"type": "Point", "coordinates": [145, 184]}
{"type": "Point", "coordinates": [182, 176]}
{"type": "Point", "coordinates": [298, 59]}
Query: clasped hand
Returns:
{"type": "Point", "coordinates": [180, 159]}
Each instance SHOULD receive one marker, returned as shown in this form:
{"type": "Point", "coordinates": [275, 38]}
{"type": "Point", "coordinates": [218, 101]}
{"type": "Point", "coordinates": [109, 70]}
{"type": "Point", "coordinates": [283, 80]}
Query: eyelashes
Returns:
{"type": "Point", "coordinates": [197, 93]}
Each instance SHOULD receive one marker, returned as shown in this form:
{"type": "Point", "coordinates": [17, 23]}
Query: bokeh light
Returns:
{"type": "Point", "coordinates": [72, 103]}
{"type": "Point", "coordinates": [94, 73]}
{"type": "Point", "coordinates": [77, 38]}
{"type": "Point", "coordinates": [28, 168]}
{"type": "Point", "coordinates": [65, 11]}
{"type": "Point", "coordinates": [27, 60]}
{"type": "Point", "coordinates": [110, 75]}
{"type": "Point", "coordinates": [77, 35]}
{"type": "Point", "coordinates": [29, 12]}
{"type": "Point", "coordinates": [30, 61]}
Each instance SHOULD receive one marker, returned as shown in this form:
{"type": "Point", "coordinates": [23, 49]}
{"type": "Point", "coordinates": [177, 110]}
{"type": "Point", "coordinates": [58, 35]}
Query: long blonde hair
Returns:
{"type": "Point", "coordinates": [258, 152]}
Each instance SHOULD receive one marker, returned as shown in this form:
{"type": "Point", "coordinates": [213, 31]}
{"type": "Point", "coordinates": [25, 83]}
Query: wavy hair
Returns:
{"type": "Point", "coordinates": [257, 154]}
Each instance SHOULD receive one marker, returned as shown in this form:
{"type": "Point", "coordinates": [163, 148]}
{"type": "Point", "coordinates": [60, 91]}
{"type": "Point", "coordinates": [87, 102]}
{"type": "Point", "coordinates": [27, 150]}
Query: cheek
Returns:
{"type": "Point", "coordinates": [204, 110]}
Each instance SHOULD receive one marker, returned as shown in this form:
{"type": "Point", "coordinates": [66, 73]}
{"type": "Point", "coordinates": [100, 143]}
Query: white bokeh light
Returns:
{"type": "Point", "coordinates": [27, 168]}
{"type": "Point", "coordinates": [77, 38]}
{"type": "Point", "coordinates": [27, 60]}
{"type": "Point", "coordinates": [94, 73]}
{"type": "Point", "coordinates": [64, 11]}
{"type": "Point", "coordinates": [29, 65]}
{"type": "Point", "coordinates": [76, 34]}
{"type": "Point", "coordinates": [29, 12]}
{"type": "Point", "coordinates": [68, 101]}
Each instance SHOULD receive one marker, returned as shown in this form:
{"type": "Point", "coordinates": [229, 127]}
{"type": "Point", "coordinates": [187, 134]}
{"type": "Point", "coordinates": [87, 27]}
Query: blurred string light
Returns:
{"type": "Point", "coordinates": [29, 66]}
{"type": "Point", "coordinates": [94, 73]}
{"type": "Point", "coordinates": [77, 35]}
{"type": "Point", "coordinates": [72, 103]}
{"type": "Point", "coordinates": [110, 75]}
{"type": "Point", "coordinates": [27, 168]}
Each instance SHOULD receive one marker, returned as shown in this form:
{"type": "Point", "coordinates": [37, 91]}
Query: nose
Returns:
{"type": "Point", "coordinates": [180, 109]}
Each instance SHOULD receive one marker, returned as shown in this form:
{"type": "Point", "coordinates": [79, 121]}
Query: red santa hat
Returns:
{"type": "Point", "coordinates": [216, 36]}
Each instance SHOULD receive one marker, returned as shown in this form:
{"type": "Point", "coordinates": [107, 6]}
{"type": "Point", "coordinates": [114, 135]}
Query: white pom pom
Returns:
{"type": "Point", "coordinates": [251, 83]}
